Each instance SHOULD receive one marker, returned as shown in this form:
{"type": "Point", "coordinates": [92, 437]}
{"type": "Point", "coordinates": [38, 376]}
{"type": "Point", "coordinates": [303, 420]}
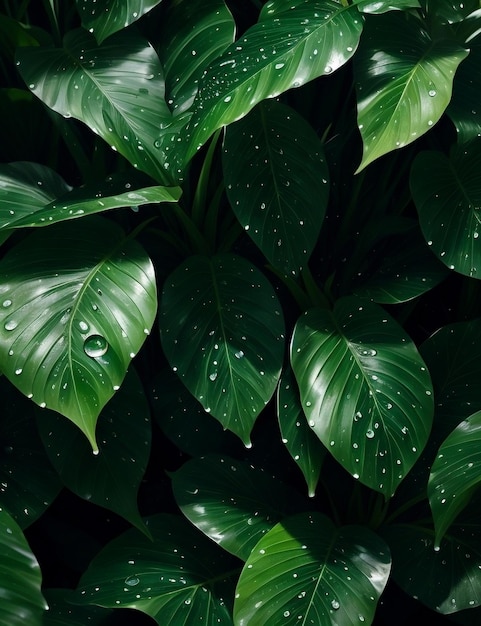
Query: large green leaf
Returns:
{"type": "Point", "coordinates": [365, 390]}
{"type": "Point", "coordinates": [63, 612]}
{"type": "Point", "coordinates": [105, 17]}
{"type": "Point", "coordinates": [117, 89]}
{"type": "Point", "coordinates": [302, 443]}
{"type": "Point", "coordinates": [77, 301]}
{"type": "Point", "coordinates": [277, 182]}
{"type": "Point", "coordinates": [178, 578]}
{"type": "Point", "coordinates": [307, 571]}
{"type": "Point", "coordinates": [231, 501]}
{"type": "Point", "coordinates": [404, 82]}
{"type": "Point", "coordinates": [274, 55]}
{"type": "Point", "coordinates": [20, 577]}
{"type": "Point", "coordinates": [112, 478]}
{"type": "Point", "coordinates": [382, 6]}
{"type": "Point", "coordinates": [447, 194]}
{"type": "Point", "coordinates": [222, 331]}
{"type": "Point", "coordinates": [455, 474]}
{"type": "Point", "coordinates": [449, 12]}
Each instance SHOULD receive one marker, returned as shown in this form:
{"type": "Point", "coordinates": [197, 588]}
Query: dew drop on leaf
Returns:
{"type": "Point", "coordinates": [95, 346]}
{"type": "Point", "coordinates": [6, 304]}
{"type": "Point", "coordinates": [132, 581]}
{"type": "Point", "coordinates": [11, 325]}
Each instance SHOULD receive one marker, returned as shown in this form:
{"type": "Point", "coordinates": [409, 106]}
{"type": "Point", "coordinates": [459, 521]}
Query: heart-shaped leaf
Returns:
{"type": "Point", "coordinates": [81, 80]}
{"type": "Point", "coordinates": [447, 194]}
{"type": "Point", "coordinates": [178, 577]}
{"type": "Point", "coordinates": [455, 474]}
{"type": "Point", "coordinates": [305, 570]}
{"type": "Point", "coordinates": [105, 17]}
{"type": "Point", "coordinates": [272, 56]}
{"type": "Point", "coordinates": [20, 577]}
{"type": "Point", "coordinates": [365, 390]}
{"type": "Point", "coordinates": [222, 331]}
{"type": "Point", "coordinates": [404, 82]}
{"type": "Point", "coordinates": [231, 501]}
{"type": "Point", "coordinates": [77, 301]}
{"type": "Point", "coordinates": [112, 478]}
{"type": "Point", "coordinates": [277, 182]}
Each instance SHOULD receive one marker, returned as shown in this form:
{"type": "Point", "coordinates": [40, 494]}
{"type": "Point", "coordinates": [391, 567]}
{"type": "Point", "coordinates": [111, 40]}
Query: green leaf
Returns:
{"type": "Point", "coordinates": [112, 478]}
{"type": "Point", "coordinates": [177, 578]}
{"type": "Point", "coordinates": [365, 390]}
{"type": "Point", "coordinates": [404, 82]}
{"type": "Point", "coordinates": [447, 195]}
{"type": "Point", "coordinates": [449, 12]}
{"type": "Point", "coordinates": [105, 17]}
{"type": "Point", "coordinates": [382, 6]}
{"type": "Point", "coordinates": [63, 612]}
{"type": "Point", "coordinates": [20, 577]}
{"type": "Point", "coordinates": [464, 110]}
{"type": "Point", "coordinates": [77, 301]}
{"type": "Point", "coordinates": [231, 501]}
{"type": "Point", "coordinates": [222, 331]}
{"type": "Point", "coordinates": [274, 55]}
{"type": "Point", "coordinates": [28, 483]}
{"type": "Point", "coordinates": [305, 570]}
{"type": "Point", "coordinates": [277, 182]}
{"type": "Point", "coordinates": [81, 80]}
{"type": "Point", "coordinates": [301, 442]}
{"type": "Point", "coordinates": [455, 474]}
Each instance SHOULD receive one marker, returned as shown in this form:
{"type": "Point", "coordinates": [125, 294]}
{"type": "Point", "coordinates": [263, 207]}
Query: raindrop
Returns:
{"type": "Point", "coordinates": [132, 581]}
{"type": "Point", "coordinates": [11, 325]}
{"type": "Point", "coordinates": [6, 304]}
{"type": "Point", "coordinates": [239, 354]}
{"type": "Point", "coordinates": [18, 371]}
{"type": "Point", "coordinates": [213, 376]}
{"type": "Point", "coordinates": [95, 346]}
{"type": "Point", "coordinates": [279, 66]}
{"type": "Point", "coordinates": [432, 93]}
{"type": "Point", "coordinates": [335, 605]}
{"type": "Point", "coordinates": [369, 434]}
{"type": "Point", "coordinates": [84, 327]}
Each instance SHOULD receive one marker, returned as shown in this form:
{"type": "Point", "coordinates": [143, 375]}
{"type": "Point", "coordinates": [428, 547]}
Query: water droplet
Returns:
{"type": "Point", "coordinates": [11, 325]}
{"type": "Point", "coordinates": [18, 371]}
{"type": "Point", "coordinates": [335, 605]}
{"type": "Point", "coordinates": [369, 434]}
{"type": "Point", "coordinates": [239, 354]}
{"type": "Point", "coordinates": [84, 327]}
{"type": "Point", "coordinates": [279, 66]}
{"type": "Point", "coordinates": [6, 304]}
{"type": "Point", "coordinates": [132, 581]}
{"type": "Point", "coordinates": [327, 69]}
{"type": "Point", "coordinates": [95, 346]}
{"type": "Point", "coordinates": [432, 93]}
{"type": "Point", "coordinates": [213, 376]}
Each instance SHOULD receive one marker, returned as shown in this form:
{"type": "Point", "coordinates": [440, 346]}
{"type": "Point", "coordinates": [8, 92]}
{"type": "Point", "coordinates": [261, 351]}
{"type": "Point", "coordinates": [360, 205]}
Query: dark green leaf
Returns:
{"type": "Point", "coordinates": [177, 578]}
{"type": "Point", "coordinates": [447, 194]}
{"type": "Point", "coordinates": [449, 12]}
{"type": "Point", "coordinates": [112, 478]}
{"type": "Point", "coordinates": [20, 577]}
{"type": "Point", "coordinates": [464, 109]}
{"type": "Point", "coordinates": [231, 501]}
{"type": "Point", "coordinates": [77, 302]}
{"type": "Point", "coordinates": [274, 55]}
{"type": "Point", "coordinates": [104, 17]}
{"type": "Point", "coordinates": [305, 570]}
{"type": "Point", "coordinates": [404, 82]}
{"type": "Point", "coordinates": [364, 389]}
{"type": "Point", "coordinates": [277, 182]}
{"type": "Point", "coordinates": [223, 333]}
{"type": "Point", "coordinates": [63, 612]}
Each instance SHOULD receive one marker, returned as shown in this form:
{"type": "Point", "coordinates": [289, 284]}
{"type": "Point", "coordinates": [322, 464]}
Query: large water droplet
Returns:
{"type": "Point", "coordinates": [132, 581]}
{"type": "Point", "coordinates": [11, 325]}
{"type": "Point", "coordinates": [6, 304]}
{"type": "Point", "coordinates": [369, 434]}
{"type": "Point", "coordinates": [95, 346]}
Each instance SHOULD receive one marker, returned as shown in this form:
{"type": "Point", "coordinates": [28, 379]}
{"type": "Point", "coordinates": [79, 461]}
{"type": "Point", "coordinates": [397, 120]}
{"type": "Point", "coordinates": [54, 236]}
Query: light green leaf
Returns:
{"type": "Point", "coordinates": [231, 501]}
{"type": "Point", "coordinates": [277, 182]}
{"type": "Point", "coordinates": [305, 570]}
{"type": "Point", "coordinates": [76, 303]}
{"type": "Point", "coordinates": [382, 6]}
{"type": "Point", "coordinates": [179, 577]}
{"type": "Point", "coordinates": [112, 478]}
{"type": "Point", "coordinates": [222, 331]}
{"type": "Point", "coordinates": [105, 17]}
{"type": "Point", "coordinates": [404, 82]}
{"type": "Point", "coordinates": [365, 390]}
{"type": "Point", "coordinates": [274, 55]}
{"type": "Point", "coordinates": [81, 80]}
{"type": "Point", "coordinates": [20, 577]}
{"type": "Point", "coordinates": [447, 195]}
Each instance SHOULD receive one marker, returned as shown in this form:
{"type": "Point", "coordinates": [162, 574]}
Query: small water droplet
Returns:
{"type": "Point", "coordinates": [18, 371]}
{"type": "Point", "coordinates": [335, 605]}
{"type": "Point", "coordinates": [213, 376]}
{"type": "Point", "coordinates": [95, 346]}
{"type": "Point", "coordinates": [84, 327]}
{"type": "Point", "coordinates": [11, 325]}
{"type": "Point", "coordinates": [369, 434]}
{"type": "Point", "coordinates": [239, 354]}
{"type": "Point", "coordinates": [6, 304]}
{"type": "Point", "coordinates": [432, 93]}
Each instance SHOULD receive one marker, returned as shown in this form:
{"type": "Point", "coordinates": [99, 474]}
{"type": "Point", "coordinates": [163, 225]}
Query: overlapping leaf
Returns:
{"type": "Point", "coordinates": [178, 578]}
{"type": "Point", "coordinates": [404, 82]}
{"type": "Point", "coordinates": [447, 194]}
{"type": "Point", "coordinates": [365, 390]}
{"type": "Point", "coordinates": [117, 89]}
{"type": "Point", "coordinates": [305, 570]}
{"type": "Point", "coordinates": [277, 182]}
{"type": "Point", "coordinates": [105, 17]}
{"type": "Point", "coordinates": [62, 610]}
{"type": "Point", "coordinates": [77, 301]}
{"type": "Point", "coordinates": [222, 331]}
{"type": "Point", "coordinates": [382, 6]}
{"type": "Point", "coordinates": [464, 109]}
{"type": "Point", "coordinates": [274, 55]}
{"type": "Point", "coordinates": [20, 577]}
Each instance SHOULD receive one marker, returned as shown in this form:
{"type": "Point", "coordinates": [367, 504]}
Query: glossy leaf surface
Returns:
{"type": "Point", "coordinates": [382, 6]}
{"type": "Point", "coordinates": [447, 194]}
{"type": "Point", "coordinates": [404, 82]}
{"type": "Point", "coordinates": [223, 333]}
{"type": "Point", "coordinates": [77, 302]}
{"type": "Point", "coordinates": [274, 55]}
{"type": "Point", "coordinates": [81, 80]}
{"type": "Point", "coordinates": [178, 578]}
{"type": "Point", "coordinates": [20, 577]}
{"type": "Point", "coordinates": [105, 17]}
{"type": "Point", "coordinates": [365, 390]}
{"type": "Point", "coordinates": [231, 501]}
{"type": "Point", "coordinates": [305, 570]}
{"type": "Point", "coordinates": [277, 182]}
